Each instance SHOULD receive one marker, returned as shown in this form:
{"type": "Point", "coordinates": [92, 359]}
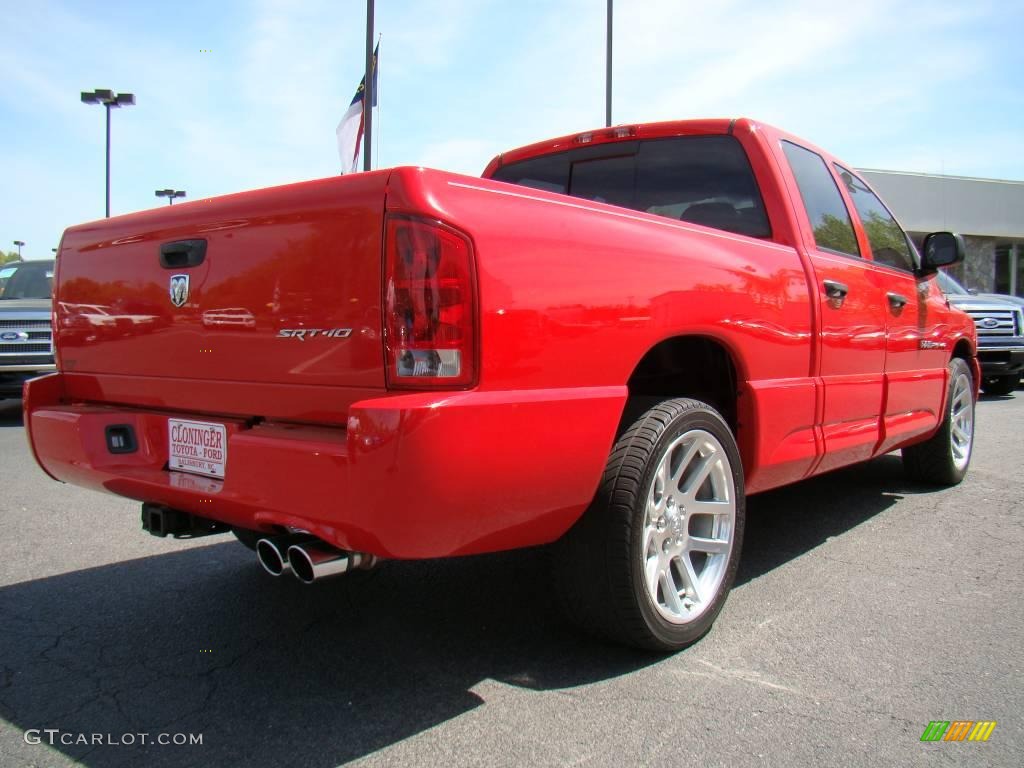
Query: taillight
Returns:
{"type": "Point", "coordinates": [429, 305]}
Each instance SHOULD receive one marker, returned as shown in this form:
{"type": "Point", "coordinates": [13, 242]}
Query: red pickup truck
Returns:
{"type": "Point", "coordinates": [604, 344]}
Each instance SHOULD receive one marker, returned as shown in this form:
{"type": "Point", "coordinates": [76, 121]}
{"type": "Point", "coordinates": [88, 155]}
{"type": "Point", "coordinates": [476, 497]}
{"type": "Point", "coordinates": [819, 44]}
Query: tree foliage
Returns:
{"type": "Point", "coordinates": [835, 234]}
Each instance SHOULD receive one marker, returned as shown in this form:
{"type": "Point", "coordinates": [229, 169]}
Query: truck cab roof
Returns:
{"type": "Point", "coordinates": [596, 136]}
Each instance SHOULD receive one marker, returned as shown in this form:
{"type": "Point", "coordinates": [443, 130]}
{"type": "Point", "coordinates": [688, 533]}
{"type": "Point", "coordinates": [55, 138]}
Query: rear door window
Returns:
{"type": "Point", "coordinates": [830, 220]}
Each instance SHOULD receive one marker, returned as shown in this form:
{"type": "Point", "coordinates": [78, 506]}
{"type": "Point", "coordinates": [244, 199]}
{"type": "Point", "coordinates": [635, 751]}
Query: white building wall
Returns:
{"type": "Point", "coordinates": [931, 203]}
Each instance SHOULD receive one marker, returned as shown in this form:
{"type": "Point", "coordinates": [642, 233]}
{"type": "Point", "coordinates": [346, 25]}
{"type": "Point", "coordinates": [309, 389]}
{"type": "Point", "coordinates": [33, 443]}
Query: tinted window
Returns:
{"type": "Point", "coordinates": [833, 230]}
{"type": "Point", "coordinates": [701, 179]}
{"type": "Point", "coordinates": [31, 280]}
{"type": "Point", "coordinates": [607, 180]}
{"type": "Point", "coordinates": [5, 273]}
{"type": "Point", "coordinates": [888, 242]}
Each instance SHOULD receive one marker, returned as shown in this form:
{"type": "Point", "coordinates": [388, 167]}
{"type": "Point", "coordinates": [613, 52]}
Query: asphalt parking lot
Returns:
{"type": "Point", "coordinates": [866, 606]}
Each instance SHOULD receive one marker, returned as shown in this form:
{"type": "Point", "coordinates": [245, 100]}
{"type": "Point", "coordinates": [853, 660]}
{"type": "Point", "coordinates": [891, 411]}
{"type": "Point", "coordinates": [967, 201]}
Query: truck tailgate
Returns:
{"type": "Point", "coordinates": [285, 298]}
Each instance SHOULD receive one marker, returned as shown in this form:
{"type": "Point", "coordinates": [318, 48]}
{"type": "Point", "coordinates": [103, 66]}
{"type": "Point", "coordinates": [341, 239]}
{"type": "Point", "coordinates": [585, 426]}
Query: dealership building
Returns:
{"type": "Point", "coordinates": [989, 214]}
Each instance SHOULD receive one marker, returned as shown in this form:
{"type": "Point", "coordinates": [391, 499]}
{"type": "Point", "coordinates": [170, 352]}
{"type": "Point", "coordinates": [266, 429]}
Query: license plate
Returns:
{"type": "Point", "coordinates": [195, 483]}
{"type": "Point", "coordinates": [198, 447]}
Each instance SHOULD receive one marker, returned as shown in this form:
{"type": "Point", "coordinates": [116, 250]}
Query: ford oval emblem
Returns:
{"type": "Point", "coordinates": [989, 322]}
{"type": "Point", "coordinates": [10, 336]}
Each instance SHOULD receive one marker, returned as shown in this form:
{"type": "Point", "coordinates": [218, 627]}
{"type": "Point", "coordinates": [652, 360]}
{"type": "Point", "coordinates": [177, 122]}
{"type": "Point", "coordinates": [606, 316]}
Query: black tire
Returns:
{"type": "Point", "coordinates": [248, 537]}
{"type": "Point", "coordinates": [937, 460]}
{"type": "Point", "coordinates": [999, 385]}
{"type": "Point", "coordinates": [599, 566]}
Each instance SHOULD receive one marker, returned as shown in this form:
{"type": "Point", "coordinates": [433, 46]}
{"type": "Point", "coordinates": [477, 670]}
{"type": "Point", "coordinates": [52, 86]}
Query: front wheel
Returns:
{"type": "Point", "coordinates": [943, 459]}
{"type": "Point", "coordinates": [652, 560]}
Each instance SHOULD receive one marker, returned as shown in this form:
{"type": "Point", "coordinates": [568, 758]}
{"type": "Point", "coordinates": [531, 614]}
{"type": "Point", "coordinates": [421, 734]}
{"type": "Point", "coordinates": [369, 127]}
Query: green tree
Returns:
{"type": "Point", "coordinates": [8, 256]}
{"type": "Point", "coordinates": [836, 234]}
{"type": "Point", "coordinates": [887, 239]}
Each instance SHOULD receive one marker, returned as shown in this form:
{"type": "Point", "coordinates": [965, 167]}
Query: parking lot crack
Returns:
{"type": "Point", "coordinates": [748, 676]}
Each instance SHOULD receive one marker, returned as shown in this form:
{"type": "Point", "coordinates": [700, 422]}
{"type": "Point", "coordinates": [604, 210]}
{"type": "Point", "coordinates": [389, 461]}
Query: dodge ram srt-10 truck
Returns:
{"type": "Point", "coordinates": [603, 345]}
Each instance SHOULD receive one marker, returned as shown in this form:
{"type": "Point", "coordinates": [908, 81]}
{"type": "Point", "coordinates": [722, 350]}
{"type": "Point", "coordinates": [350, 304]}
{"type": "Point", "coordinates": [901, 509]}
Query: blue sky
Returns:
{"type": "Point", "coordinates": [927, 86]}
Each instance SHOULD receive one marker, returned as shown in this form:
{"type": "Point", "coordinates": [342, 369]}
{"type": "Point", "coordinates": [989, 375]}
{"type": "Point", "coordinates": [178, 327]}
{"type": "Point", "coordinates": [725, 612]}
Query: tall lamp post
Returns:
{"type": "Point", "coordinates": [170, 194]}
{"type": "Point", "coordinates": [19, 243]}
{"type": "Point", "coordinates": [608, 70]}
{"type": "Point", "coordinates": [110, 100]}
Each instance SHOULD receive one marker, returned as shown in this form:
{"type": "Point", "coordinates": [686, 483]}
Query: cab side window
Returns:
{"type": "Point", "coordinates": [833, 228]}
{"type": "Point", "coordinates": [888, 241]}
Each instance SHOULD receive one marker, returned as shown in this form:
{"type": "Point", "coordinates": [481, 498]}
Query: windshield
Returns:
{"type": "Point", "coordinates": [28, 280]}
{"type": "Point", "coordinates": [948, 285]}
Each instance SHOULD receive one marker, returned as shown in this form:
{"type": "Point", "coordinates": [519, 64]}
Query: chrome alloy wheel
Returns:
{"type": "Point", "coordinates": [689, 525]}
{"type": "Point", "coordinates": [961, 419]}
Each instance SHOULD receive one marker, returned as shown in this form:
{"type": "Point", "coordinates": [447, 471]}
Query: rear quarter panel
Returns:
{"type": "Point", "coordinates": [574, 293]}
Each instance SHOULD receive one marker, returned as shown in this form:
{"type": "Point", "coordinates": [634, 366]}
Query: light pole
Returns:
{"type": "Point", "coordinates": [110, 100]}
{"type": "Point", "coordinates": [19, 243]}
{"type": "Point", "coordinates": [170, 194]}
{"type": "Point", "coordinates": [608, 71]}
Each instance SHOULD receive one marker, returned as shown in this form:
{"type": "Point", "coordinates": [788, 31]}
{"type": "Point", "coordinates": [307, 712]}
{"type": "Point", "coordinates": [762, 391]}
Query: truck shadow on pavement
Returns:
{"type": "Point", "coordinates": [271, 672]}
{"type": "Point", "coordinates": [10, 413]}
{"type": "Point", "coordinates": [785, 523]}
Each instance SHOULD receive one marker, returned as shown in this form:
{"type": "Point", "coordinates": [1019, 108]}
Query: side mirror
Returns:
{"type": "Point", "coordinates": [940, 250]}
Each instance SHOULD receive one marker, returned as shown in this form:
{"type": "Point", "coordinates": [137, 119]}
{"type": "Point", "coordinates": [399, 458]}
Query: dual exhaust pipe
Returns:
{"type": "Point", "coordinates": [309, 558]}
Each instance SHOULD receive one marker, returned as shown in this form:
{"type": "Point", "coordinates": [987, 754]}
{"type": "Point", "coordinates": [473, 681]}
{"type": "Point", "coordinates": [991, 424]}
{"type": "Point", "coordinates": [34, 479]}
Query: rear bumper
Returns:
{"type": "Point", "coordinates": [411, 476]}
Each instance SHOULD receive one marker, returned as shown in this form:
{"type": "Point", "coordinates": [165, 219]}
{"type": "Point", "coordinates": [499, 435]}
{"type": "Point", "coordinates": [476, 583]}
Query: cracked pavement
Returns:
{"type": "Point", "coordinates": [865, 607]}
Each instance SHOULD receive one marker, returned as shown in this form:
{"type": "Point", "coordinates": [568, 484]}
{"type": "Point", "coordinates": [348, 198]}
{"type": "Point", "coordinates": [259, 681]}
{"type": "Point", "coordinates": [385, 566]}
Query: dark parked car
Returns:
{"type": "Point", "coordinates": [1000, 324]}
{"type": "Point", "coordinates": [26, 343]}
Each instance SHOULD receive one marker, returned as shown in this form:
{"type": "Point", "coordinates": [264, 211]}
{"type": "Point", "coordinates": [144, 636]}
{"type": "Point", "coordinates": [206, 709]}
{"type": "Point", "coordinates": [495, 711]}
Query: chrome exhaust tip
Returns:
{"type": "Point", "coordinates": [311, 562]}
{"type": "Point", "coordinates": [272, 554]}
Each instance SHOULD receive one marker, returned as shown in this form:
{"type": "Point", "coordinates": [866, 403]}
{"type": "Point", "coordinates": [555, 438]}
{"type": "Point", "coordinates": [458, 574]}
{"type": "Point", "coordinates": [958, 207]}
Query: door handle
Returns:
{"type": "Point", "coordinates": [835, 290]}
{"type": "Point", "coordinates": [897, 300]}
{"type": "Point", "coordinates": [182, 254]}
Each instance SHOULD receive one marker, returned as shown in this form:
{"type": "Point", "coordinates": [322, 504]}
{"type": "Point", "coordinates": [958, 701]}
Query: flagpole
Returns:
{"type": "Point", "coordinates": [380, 123]}
{"type": "Point", "coordinates": [368, 89]}
{"type": "Point", "coordinates": [608, 72]}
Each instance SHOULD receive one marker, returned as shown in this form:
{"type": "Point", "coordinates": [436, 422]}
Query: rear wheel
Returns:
{"type": "Point", "coordinates": [943, 459]}
{"type": "Point", "coordinates": [999, 385]}
{"type": "Point", "coordinates": [652, 560]}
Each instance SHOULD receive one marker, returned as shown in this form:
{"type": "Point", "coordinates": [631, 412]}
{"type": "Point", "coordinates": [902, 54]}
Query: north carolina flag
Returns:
{"type": "Point", "coordinates": [350, 129]}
